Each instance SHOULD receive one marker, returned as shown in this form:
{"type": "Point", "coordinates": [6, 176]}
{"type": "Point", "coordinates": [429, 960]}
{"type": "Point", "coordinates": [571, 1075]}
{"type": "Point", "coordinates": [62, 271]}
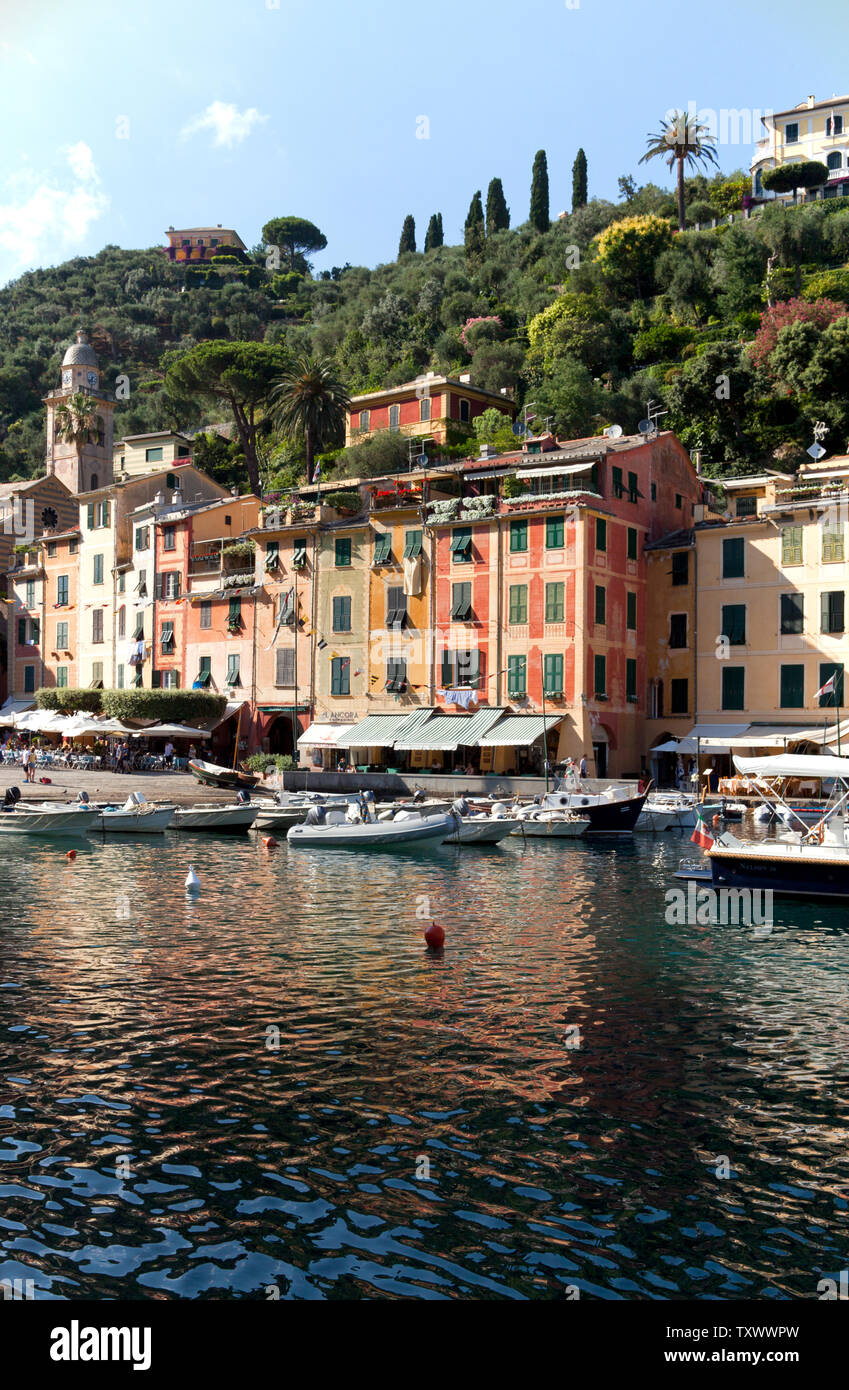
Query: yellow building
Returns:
{"type": "Point", "coordinates": [137, 454]}
{"type": "Point", "coordinates": [770, 610]}
{"type": "Point", "coordinates": [813, 130]}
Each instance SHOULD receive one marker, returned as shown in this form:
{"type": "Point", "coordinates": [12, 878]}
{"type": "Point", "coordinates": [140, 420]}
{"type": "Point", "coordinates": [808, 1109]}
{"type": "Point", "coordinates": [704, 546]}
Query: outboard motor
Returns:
{"type": "Point", "coordinates": [460, 806]}
{"type": "Point", "coordinates": [419, 796]}
{"type": "Point", "coordinates": [243, 796]}
{"type": "Point", "coordinates": [83, 798]}
{"type": "Point", "coordinates": [316, 815]}
{"type": "Point", "coordinates": [11, 798]}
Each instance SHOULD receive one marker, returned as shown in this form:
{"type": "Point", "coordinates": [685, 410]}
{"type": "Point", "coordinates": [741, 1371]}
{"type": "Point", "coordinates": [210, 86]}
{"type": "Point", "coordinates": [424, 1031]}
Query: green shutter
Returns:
{"type": "Point", "coordinates": [617, 482]}
{"type": "Point", "coordinates": [732, 558]}
{"type": "Point", "coordinates": [447, 669]}
{"type": "Point", "coordinates": [631, 611]}
{"type": "Point", "coordinates": [382, 548]}
{"type": "Point", "coordinates": [600, 675]}
{"type": "Point", "coordinates": [733, 687]}
{"type": "Point", "coordinates": [342, 552]}
{"type": "Point", "coordinates": [554, 603]}
{"type": "Point", "coordinates": [600, 533]}
{"type": "Point", "coordinates": [554, 532]}
{"type": "Point", "coordinates": [553, 673]}
{"type": "Point", "coordinates": [832, 544]}
{"type": "Point", "coordinates": [791, 545]}
{"type": "Point", "coordinates": [600, 605]}
{"type": "Point", "coordinates": [518, 536]}
{"type": "Point", "coordinates": [793, 687]}
{"type": "Point", "coordinates": [630, 679]}
{"type": "Point", "coordinates": [90, 518]}
{"type": "Point", "coordinates": [516, 675]}
{"type": "Point", "coordinates": [461, 544]}
{"type": "Point", "coordinates": [632, 543]}
{"type": "Point", "coordinates": [518, 603]}
{"type": "Point", "coordinates": [734, 623]}
{"type": "Point", "coordinates": [412, 545]}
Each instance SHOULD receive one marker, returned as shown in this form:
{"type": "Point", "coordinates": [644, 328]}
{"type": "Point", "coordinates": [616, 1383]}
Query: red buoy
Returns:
{"type": "Point", "coordinates": [717, 820]}
{"type": "Point", "coordinates": [270, 842]}
{"type": "Point", "coordinates": [72, 854]}
{"type": "Point", "coordinates": [435, 936]}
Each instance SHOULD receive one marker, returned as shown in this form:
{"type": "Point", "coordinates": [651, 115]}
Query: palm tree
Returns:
{"type": "Point", "coordinates": [682, 139]}
{"type": "Point", "coordinates": [309, 398]}
{"type": "Point", "coordinates": [77, 422]}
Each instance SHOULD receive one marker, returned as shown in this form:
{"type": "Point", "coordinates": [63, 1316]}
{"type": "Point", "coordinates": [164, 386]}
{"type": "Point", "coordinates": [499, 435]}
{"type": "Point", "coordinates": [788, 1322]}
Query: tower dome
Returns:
{"type": "Point", "coordinates": [80, 353]}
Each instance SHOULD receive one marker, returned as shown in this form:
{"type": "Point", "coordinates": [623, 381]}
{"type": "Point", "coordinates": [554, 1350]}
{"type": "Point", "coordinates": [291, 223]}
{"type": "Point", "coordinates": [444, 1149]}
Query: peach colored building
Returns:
{"type": "Point", "coordinates": [61, 608]}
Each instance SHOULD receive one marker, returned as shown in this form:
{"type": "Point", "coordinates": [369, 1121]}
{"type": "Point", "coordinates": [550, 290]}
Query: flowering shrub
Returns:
{"type": "Point", "coordinates": [481, 318]}
{"type": "Point", "coordinates": [821, 313]}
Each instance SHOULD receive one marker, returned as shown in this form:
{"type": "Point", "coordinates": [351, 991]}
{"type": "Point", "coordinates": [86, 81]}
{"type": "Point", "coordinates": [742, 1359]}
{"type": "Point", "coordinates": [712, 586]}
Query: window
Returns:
{"type": "Point", "coordinates": [153, 455]}
{"type": "Point", "coordinates": [831, 611]}
{"type": "Point", "coordinates": [791, 132]}
{"type": "Point", "coordinates": [396, 675]}
{"type": "Point", "coordinates": [555, 608]}
{"type": "Point", "coordinates": [552, 673]}
{"type": "Point", "coordinates": [469, 668]}
{"type": "Point", "coordinates": [600, 675]}
{"type": "Point", "coordinates": [791, 545]}
{"type": "Point", "coordinates": [461, 601]}
{"type": "Point", "coordinates": [169, 538]}
{"type": "Point", "coordinates": [286, 608]}
{"type": "Point", "coordinates": [122, 583]}
{"type": "Point", "coordinates": [734, 623]}
{"type": "Point", "coordinates": [412, 545]}
{"type": "Point", "coordinates": [51, 548]}
{"type": "Point", "coordinates": [62, 591]}
{"type": "Point", "coordinates": [206, 613]}
{"type": "Point", "coordinates": [394, 417]}
{"type": "Point", "coordinates": [138, 630]}
{"type": "Point", "coordinates": [62, 637]}
{"type": "Point", "coordinates": [793, 687]}
{"type": "Point", "coordinates": [233, 677]}
{"type": "Point", "coordinates": [284, 670]}
{"type": "Point", "coordinates": [678, 501]}
{"type": "Point", "coordinates": [35, 631]}
{"type": "Point", "coordinates": [732, 558]}
{"type": "Point", "coordinates": [678, 630]}
{"type": "Point", "coordinates": [98, 570]}
{"type": "Point", "coordinates": [30, 593]}
{"type": "Point", "coordinates": [29, 680]}
{"type": "Point", "coordinates": [834, 125]}
{"type": "Point", "coordinates": [600, 605]}
{"type": "Point", "coordinates": [382, 548]}
{"type": "Point", "coordinates": [90, 523]}
{"type": "Point", "coordinates": [396, 607]}
{"type": "Point", "coordinates": [204, 675]}
{"type": "Point", "coordinates": [680, 567]}
{"type": "Point", "coordinates": [518, 603]}
{"type": "Point", "coordinates": [424, 408]}
{"type": "Point", "coordinates": [632, 543]}
{"type": "Point", "coordinates": [342, 552]}
{"type": "Point", "coordinates": [299, 553]}
{"type": "Point", "coordinates": [97, 625]}
{"type": "Point", "coordinates": [167, 585]}
{"type": "Point", "coordinates": [832, 544]}
{"type": "Point", "coordinates": [464, 412]}
{"type": "Point", "coordinates": [97, 675]}
{"type": "Point", "coordinates": [600, 534]}
{"type": "Point", "coordinates": [61, 677]}
{"type": "Point", "coordinates": [654, 492]}
{"type": "Point", "coordinates": [340, 675]}
{"type": "Point", "coordinates": [747, 506]}
{"type": "Point", "coordinates": [142, 538]}
{"type": "Point", "coordinates": [834, 160]}
{"type": "Point", "coordinates": [461, 545]}
{"type": "Point", "coordinates": [733, 687]}
{"type": "Point", "coordinates": [518, 536]}
{"type": "Point", "coordinates": [122, 621]}
{"type": "Point", "coordinates": [272, 554]}
{"type": "Point", "coordinates": [365, 417]}
{"type": "Point", "coordinates": [679, 696]}
{"type": "Point", "coordinates": [234, 615]}
{"type": "Point", "coordinates": [631, 680]}
{"type": "Point", "coordinates": [166, 639]}
{"type": "Point", "coordinates": [22, 632]}
{"type": "Point", "coordinates": [342, 613]}
{"type": "Point", "coordinates": [516, 675]}
{"type": "Point", "coordinates": [792, 613]}
{"type": "Point", "coordinates": [835, 697]}
{"type": "Point", "coordinates": [73, 547]}
{"type": "Point", "coordinates": [554, 532]}
{"type": "Point", "coordinates": [633, 488]}
{"type": "Point", "coordinates": [631, 611]}
{"type": "Point", "coordinates": [141, 587]}
{"type": "Point", "coordinates": [617, 485]}
{"type": "Point", "coordinates": [120, 677]}
{"type": "Point", "coordinates": [170, 680]}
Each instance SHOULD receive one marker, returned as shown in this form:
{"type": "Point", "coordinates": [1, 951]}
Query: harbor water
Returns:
{"type": "Point", "coordinates": [273, 1089]}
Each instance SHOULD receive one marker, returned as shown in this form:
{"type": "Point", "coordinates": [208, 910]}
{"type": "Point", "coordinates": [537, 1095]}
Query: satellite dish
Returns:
{"type": "Point", "coordinates": [816, 451]}
{"type": "Point", "coordinates": [518, 429]}
{"type": "Point", "coordinates": [423, 460]}
{"type": "Point", "coordinates": [646, 426]}
{"type": "Point", "coordinates": [614, 431]}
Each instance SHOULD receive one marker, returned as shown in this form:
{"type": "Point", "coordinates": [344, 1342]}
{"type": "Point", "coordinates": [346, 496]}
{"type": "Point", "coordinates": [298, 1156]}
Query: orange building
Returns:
{"type": "Point", "coordinates": [201, 243]}
{"type": "Point", "coordinates": [424, 409]}
{"type": "Point", "coordinates": [61, 608]}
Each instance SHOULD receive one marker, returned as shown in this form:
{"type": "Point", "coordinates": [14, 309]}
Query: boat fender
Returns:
{"type": "Point", "coordinates": [192, 881]}
{"type": "Point", "coordinates": [270, 842]}
{"type": "Point", "coordinates": [435, 936]}
{"type": "Point", "coordinates": [72, 854]}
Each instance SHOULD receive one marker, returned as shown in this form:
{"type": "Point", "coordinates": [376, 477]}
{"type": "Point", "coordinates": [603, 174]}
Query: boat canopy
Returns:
{"type": "Point", "coordinates": [793, 765]}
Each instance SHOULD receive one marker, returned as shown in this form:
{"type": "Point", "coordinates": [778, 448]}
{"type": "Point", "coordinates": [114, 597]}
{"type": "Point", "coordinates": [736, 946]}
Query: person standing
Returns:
{"type": "Point", "coordinates": [26, 763]}
{"type": "Point", "coordinates": [582, 768]}
{"type": "Point", "coordinates": [169, 754]}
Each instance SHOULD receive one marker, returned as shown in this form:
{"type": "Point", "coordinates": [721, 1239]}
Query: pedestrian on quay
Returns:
{"type": "Point", "coordinates": [582, 769]}
{"type": "Point", "coordinates": [26, 763]}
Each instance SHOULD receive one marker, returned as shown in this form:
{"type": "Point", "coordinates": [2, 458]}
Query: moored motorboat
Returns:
{"type": "Point", "coordinates": [673, 810]}
{"type": "Point", "coordinates": [47, 818]}
{"type": "Point", "coordinates": [611, 812]}
{"type": "Point", "coordinates": [359, 828]}
{"type": "Point", "coordinates": [135, 817]}
{"type": "Point", "coordinates": [235, 818]}
{"type": "Point", "coordinates": [290, 808]}
{"type": "Point", "coordinates": [480, 827]}
{"type": "Point", "coordinates": [541, 822]}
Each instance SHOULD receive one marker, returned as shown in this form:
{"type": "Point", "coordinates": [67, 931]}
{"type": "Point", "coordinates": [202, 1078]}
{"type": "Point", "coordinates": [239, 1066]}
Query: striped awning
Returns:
{"type": "Point", "coordinates": [381, 730]}
{"type": "Point", "coordinates": [324, 736]}
{"type": "Point", "coordinates": [448, 732]}
{"type": "Point", "coordinates": [519, 730]}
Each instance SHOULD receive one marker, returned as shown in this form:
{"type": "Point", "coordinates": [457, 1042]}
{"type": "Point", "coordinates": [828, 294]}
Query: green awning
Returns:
{"type": "Point", "coordinates": [382, 547]}
{"type": "Point", "coordinates": [381, 730]}
{"type": "Point", "coordinates": [519, 730]}
{"type": "Point", "coordinates": [448, 732]}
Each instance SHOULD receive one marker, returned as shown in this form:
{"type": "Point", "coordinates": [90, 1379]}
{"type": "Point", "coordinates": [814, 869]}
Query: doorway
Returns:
{"type": "Point", "coordinates": [600, 755]}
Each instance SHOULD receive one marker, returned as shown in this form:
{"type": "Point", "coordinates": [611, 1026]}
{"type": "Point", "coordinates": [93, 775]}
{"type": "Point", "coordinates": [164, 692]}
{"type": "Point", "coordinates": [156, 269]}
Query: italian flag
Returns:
{"type": "Point", "coordinates": [700, 835]}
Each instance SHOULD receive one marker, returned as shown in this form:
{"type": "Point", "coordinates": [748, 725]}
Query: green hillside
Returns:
{"type": "Point", "coordinates": [740, 331]}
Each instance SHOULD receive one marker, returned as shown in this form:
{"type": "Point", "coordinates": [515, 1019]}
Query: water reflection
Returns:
{"type": "Point", "coordinates": [545, 1104]}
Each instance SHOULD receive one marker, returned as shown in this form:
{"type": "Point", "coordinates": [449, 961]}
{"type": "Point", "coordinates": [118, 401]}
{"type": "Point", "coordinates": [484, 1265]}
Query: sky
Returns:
{"type": "Point", "coordinates": [121, 120]}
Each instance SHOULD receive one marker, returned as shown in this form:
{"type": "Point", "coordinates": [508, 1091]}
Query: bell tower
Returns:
{"type": "Point", "coordinates": [85, 463]}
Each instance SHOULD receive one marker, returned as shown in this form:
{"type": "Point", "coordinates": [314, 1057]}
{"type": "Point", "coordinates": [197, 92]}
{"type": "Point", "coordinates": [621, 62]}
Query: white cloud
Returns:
{"type": "Point", "coordinates": [228, 124]}
{"type": "Point", "coordinates": [43, 215]}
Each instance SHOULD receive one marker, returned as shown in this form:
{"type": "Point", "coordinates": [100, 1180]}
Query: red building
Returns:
{"type": "Point", "coordinates": [425, 408]}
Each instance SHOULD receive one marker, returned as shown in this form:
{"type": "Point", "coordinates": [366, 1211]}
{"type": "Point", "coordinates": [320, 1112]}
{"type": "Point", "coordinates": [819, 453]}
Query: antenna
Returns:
{"type": "Point", "coordinates": [816, 450]}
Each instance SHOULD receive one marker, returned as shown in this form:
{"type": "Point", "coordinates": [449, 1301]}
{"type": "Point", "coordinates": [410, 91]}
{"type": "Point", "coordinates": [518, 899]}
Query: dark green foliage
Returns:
{"type": "Point", "coordinates": [433, 235]}
{"type": "Point", "coordinates": [475, 236]}
{"type": "Point", "coordinates": [408, 235]}
{"type": "Point", "coordinates": [294, 235]}
{"type": "Point", "coordinates": [67, 698]}
{"type": "Point", "coordinates": [539, 215]}
{"type": "Point", "coordinates": [497, 211]}
{"type": "Point", "coordinates": [808, 173]}
{"type": "Point", "coordinates": [579, 181]}
{"type": "Point", "coordinates": [168, 706]}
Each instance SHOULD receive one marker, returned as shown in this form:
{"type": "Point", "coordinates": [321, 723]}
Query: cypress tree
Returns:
{"type": "Point", "coordinates": [539, 217]}
{"type": "Point", "coordinates": [474, 231]}
{"type": "Point", "coordinates": [433, 235]}
{"type": "Point", "coordinates": [408, 235]}
{"type": "Point", "coordinates": [497, 211]}
{"type": "Point", "coordinates": [579, 181]}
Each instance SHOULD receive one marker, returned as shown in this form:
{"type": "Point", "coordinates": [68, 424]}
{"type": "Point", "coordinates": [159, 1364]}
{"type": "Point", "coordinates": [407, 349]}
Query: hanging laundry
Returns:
{"type": "Point", "coordinates": [413, 576]}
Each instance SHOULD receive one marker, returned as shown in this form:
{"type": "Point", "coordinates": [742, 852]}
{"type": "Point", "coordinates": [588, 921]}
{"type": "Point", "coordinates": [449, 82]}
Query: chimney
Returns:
{"type": "Point", "coordinates": [811, 101]}
{"type": "Point", "coordinates": [488, 451]}
{"type": "Point", "coordinates": [466, 378]}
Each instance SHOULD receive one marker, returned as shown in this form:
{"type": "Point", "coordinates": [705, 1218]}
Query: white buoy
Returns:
{"type": "Point", "coordinates": [192, 881]}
